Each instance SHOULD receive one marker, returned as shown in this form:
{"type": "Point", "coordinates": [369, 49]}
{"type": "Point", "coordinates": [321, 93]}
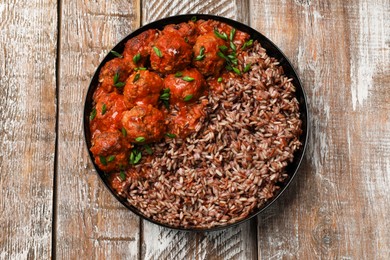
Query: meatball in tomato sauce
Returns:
{"type": "Point", "coordinates": [187, 31]}
{"type": "Point", "coordinates": [144, 124]}
{"type": "Point", "coordinates": [114, 71]}
{"type": "Point", "coordinates": [109, 108]}
{"type": "Point", "coordinates": [143, 87]}
{"type": "Point", "coordinates": [170, 54]}
{"type": "Point", "coordinates": [206, 58]}
{"type": "Point", "coordinates": [186, 86]}
{"type": "Point", "coordinates": [110, 150]}
{"type": "Point", "coordinates": [137, 49]}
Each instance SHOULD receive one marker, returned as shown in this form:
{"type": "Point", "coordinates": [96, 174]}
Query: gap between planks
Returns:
{"type": "Point", "coordinates": [55, 179]}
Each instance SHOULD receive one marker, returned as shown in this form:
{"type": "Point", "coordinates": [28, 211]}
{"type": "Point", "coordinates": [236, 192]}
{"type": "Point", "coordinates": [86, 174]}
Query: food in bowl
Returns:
{"type": "Point", "coordinates": [194, 124]}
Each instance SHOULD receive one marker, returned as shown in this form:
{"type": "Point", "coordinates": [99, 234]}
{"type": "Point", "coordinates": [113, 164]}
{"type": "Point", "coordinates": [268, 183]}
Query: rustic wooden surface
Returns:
{"type": "Point", "coordinates": [52, 204]}
{"type": "Point", "coordinates": [28, 43]}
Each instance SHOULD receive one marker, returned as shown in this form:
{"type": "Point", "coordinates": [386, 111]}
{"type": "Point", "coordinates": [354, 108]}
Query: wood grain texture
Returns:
{"type": "Point", "coordinates": [336, 207]}
{"type": "Point", "coordinates": [162, 243]}
{"type": "Point", "coordinates": [90, 224]}
{"type": "Point", "coordinates": [27, 127]}
{"type": "Point", "coordinates": [157, 9]}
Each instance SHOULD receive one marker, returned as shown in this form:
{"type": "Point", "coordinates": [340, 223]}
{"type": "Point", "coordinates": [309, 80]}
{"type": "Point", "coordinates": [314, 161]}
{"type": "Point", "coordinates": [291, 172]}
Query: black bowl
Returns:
{"type": "Point", "coordinates": [272, 50]}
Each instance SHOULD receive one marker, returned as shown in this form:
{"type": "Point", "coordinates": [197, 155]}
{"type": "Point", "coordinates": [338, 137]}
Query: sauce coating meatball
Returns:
{"type": "Point", "coordinates": [188, 31]}
{"type": "Point", "coordinates": [110, 150]}
{"type": "Point", "coordinates": [108, 72]}
{"type": "Point", "coordinates": [208, 46]}
{"type": "Point", "coordinates": [109, 108]}
{"type": "Point", "coordinates": [170, 53]}
{"type": "Point", "coordinates": [186, 88]}
{"type": "Point", "coordinates": [144, 124]}
{"type": "Point", "coordinates": [140, 45]}
{"type": "Point", "coordinates": [143, 87]}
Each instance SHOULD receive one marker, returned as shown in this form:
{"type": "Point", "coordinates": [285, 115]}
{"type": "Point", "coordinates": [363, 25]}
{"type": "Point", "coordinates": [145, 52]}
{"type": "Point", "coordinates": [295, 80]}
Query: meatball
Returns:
{"type": "Point", "coordinates": [111, 150]}
{"type": "Point", "coordinates": [186, 88]}
{"type": "Point", "coordinates": [206, 27]}
{"type": "Point", "coordinates": [184, 121]}
{"type": "Point", "coordinates": [107, 76]}
{"type": "Point", "coordinates": [140, 45]}
{"type": "Point", "coordinates": [206, 58]}
{"type": "Point", "coordinates": [98, 93]}
{"type": "Point", "coordinates": [143, 87]}
{"type": "Point", "coordinates": [187, 31]}
{"type": "Point", "coordinates": [144, 124]}
{"type": "Point", "coordinates": [170, 53]}
{"type": "Point", "coordinates": [109, 108]}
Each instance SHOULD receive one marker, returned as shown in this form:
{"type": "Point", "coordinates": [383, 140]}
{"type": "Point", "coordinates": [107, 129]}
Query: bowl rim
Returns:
{"type": "Point", "coordinates": [271, 49]}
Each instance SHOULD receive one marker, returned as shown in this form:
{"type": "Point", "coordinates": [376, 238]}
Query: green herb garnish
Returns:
{"type": "Point", "coordinates": [232, 33]}
{"type": "Point", "coordinates": [247, 44]}
{"type": "Point", "coordinates": [116, 54]}
{"type": "Point", "coordinates": [116, 81]}
{"type": "Point", "coordinates": [170, 135]}
{"type": "Point", "coordinates": [135, 156]}
{"type": "Point", "coordinates": [223, 48]}
{"type": "Point", "coordinates": [233, 46]}
{"type": "Point", "coordinates": [116, 77]}
{"type": "Point", "coordinates": [136, 77]}
{"type": "Point", "coordinates": [124, 132]}
{"type": "Point", "coordinates": [193, 18]}
{"type": "Point", "coordinates": [166, 94]}
{"type": "Point", "coordinates": [165, 97]}
{"type": "Point", "coordinates": [201, 54]}
{"type": "Point", "coordinates": [103, 160]}
{"type": "Point", "coordinates": [119, 84]}
{"type": "Point", "coordinates": [136, 58]}
{"type": "Point", "coordinates": [178, 74]}
{"type": "Point", "coordinates": [148, 149]}
{"type": "Point", "coordinates": [93, 114]}
{"type": "Point", "coordinates": [188, 98]}
{"type": "Point", "coordinates": [104, 109]}
{"type": "Point", "coordinates": [236, 70]}
{"type": "Point", "coordinates": [219, 80]}
{"type": "Point", "coordinates": [247, 67]}
{"type": "Point", "coordinates": [122, 175]}
{"type": "Point", "coordinates": [222, 35]}
{"type": "Point", "coordinates": [157, 51]}
{"type": "Point", "coordinates": [140, 139]}
{"type": "Point", "coordinates": [111, 158]}
{"type": "Point", "coordinates": [188, 79]}
{"type": "Point", "coordinates": [140, 68]}
{"type": "Point", "coordinates": [220, 54]}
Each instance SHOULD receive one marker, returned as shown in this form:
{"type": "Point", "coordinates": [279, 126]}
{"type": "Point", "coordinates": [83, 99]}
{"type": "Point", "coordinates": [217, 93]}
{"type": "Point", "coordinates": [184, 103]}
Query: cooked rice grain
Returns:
{"type": "Point", "coordinates": [232, 165]}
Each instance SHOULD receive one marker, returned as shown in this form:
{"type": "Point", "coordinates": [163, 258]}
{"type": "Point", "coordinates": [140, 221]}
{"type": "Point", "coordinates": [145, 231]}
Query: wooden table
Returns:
{"type": "Point", "coordinates": [53, 205]}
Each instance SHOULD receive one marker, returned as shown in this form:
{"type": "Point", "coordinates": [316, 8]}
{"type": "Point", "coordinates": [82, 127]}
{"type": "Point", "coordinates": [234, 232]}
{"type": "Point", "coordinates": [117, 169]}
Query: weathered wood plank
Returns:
{"type": "Point", "coordinates": [27, 127]}
{"type": "Point", "coordinates": [90, 223]}
{"type": "Point", "coordinates": [162, 243]}
{"type": "Point", "coordinates": [156, 9]}
{"type": "Point", "coordinates": [335, 209]}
